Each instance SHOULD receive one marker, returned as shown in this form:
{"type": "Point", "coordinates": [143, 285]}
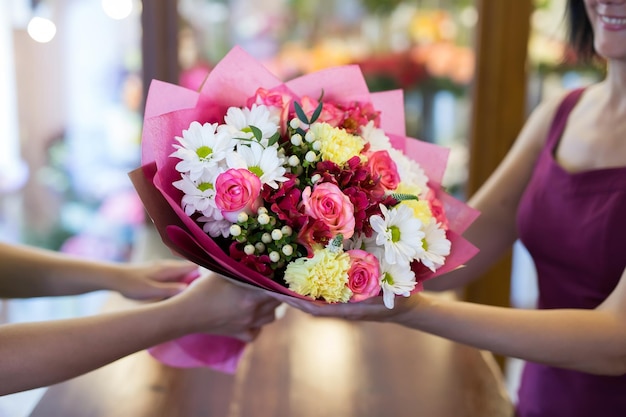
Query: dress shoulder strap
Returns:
{"type": "Point", "coordinates": [561, 116]}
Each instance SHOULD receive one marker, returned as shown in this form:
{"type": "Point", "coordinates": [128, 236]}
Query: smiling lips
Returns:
{"type": "Point", "coordinates": [613, 21]}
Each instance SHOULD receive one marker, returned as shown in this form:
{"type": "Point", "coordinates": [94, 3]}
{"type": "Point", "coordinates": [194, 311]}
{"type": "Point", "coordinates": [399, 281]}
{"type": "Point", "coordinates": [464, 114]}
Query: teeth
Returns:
{"type": "Point", "coordinates": [613, 20]}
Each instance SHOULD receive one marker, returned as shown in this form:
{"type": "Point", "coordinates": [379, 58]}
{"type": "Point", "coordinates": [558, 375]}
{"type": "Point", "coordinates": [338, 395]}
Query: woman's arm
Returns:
{"type": "Point", "coordinates": [39, 354]}
{"type": "Point", "coordinates": [31, 272]}
{"type": "Point", "coordinates": [494, 232]}
{"type": "Point", "coordinates": [591, 341]}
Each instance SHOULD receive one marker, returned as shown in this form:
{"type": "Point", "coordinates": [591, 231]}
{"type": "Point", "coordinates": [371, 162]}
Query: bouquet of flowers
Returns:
{"type": "Point", "coordinates": [309, 188]}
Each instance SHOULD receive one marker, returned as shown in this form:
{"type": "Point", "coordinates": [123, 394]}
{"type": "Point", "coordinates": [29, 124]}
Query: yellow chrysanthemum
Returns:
{"type": "Point", "coordinates": [337, 145]}
{"type": "Point", "coordinates": [421, 209]}
{"type": "Point", "coordinates": [325, 275]}
{"type": "Point", "coordinates": [404, 188]}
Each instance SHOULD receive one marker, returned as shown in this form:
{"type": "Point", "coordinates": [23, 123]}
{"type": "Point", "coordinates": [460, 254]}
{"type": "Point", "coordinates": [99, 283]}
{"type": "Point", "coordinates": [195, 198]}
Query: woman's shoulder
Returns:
{"type": "Point", "coordinates": [543, 115]}
{"type": "Point", "coordinates": [548, 107]}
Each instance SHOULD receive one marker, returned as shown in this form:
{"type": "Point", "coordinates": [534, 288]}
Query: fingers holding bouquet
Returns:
{"type": "Point", "coordinates": [373, 309]}
{"type": "Point", "coordinates": [152, 280]}
{"type": "Point", "coordinates": [215, 305]}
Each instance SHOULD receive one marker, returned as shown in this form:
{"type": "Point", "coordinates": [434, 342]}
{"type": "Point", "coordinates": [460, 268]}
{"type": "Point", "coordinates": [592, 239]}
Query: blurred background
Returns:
{"type": "Point", "coordinates": [73, 76]}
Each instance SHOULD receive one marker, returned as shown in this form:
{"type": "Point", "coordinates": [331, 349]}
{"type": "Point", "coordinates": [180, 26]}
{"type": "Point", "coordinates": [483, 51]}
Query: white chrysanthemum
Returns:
{"type": "Point", "coordinates": [376, 137]}
{"type": "Point", "coordinates": [365, 243]}
{"type": "Point", "coordinates": [436, 246]}
{"type": "Point", "coordinates": [199, 196]}
{"type": "Point", "coordinates": [399, 233]}
{"type": "Point", "coordinates": [355, 242]}
{"type": "Point", "coordinates": [396, 279]}
{"type": "Point", "coordinates": [215, 227]}
{"type": "Point", "coordinates": [239, 121]}
{"type": "Point", "coordinates": [262, 162]}
{"type": "Point", "coordinates": [201, 149]}
{"type": "Point", "coordinates": [410, 171]}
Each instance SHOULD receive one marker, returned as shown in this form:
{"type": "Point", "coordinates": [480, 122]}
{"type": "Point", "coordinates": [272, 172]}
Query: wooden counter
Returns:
{"type": "Point", "coordinates": [300, 366]}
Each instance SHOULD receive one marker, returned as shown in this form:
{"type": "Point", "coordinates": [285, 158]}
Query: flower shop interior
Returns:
{"type": "Point", "coordinates": [74, 76]}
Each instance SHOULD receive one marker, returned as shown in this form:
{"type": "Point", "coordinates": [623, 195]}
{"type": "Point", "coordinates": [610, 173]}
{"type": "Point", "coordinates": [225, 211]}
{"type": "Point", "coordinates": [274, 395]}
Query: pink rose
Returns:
{"type": "Point", "coordinates": [330, 114]}
{"type": "Point", "coordinates": [274, 99]}
{"type": "Point", "coordinates": [328, 204]}
{"type": "Point", "coordinates": [269, 98]}
{"type": "Point", "coordinates": [437, 209]}
{"type": "Point", "coordinates": [383, 167]}
{"type": "Point", "coordinates": [237, 190]}
{"type": "Point", "coordinates": [363, 275]}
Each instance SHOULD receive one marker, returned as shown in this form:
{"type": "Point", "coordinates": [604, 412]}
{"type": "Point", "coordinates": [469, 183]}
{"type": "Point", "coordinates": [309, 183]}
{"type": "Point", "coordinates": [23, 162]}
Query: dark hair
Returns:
{"type": "Point", "coordinates": [580, 32]}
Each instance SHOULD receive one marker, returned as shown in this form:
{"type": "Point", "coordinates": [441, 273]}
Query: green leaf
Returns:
{"type": "Point", "coordinates": [317, 112]}
{"type": "Point", "coordinates": [404, 197]}
{"type": "Point", "coordinates": [244, 140]}
{"type": "Point", "coordinates": [271, 141]}
{"type": "Point", "coordinates": [257, 133]}
{"type": "Point", "coordinates": [300, 112]}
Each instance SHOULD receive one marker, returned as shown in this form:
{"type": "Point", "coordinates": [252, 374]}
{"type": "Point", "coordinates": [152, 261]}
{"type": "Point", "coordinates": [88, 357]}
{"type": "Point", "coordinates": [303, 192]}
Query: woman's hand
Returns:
{"type": "Point", "coordinates": [371, 309]}
{"type": "Point", "coordinates": [153, 280]}
{"type": "Point", "coordinates": [208, 303]}
{"type": "Point", "coordinates": [213, 304]}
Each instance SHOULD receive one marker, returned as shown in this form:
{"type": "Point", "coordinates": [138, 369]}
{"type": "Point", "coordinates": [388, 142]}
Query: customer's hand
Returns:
{"type": "Point", "coordinates": [212, 304]}
{"type": "Point", "coordinates": [153, 280]}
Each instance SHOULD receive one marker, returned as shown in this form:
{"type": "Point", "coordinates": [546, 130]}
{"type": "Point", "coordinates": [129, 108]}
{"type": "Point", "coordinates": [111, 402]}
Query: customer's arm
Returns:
{"type": "Point", "coordinates": [32, 272]}
{"type": "Point", "coordinates": [40, 354]}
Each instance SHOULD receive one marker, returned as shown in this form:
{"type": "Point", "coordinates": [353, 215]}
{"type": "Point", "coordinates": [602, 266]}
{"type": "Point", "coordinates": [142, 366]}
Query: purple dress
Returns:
{"type": "Point", "coordinates": [574, 226]}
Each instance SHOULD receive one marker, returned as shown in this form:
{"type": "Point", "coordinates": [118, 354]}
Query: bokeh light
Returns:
{"type": "Point", "coordinates": [41, 30]}
{"type": "Point", "coordinates": [117, 9]}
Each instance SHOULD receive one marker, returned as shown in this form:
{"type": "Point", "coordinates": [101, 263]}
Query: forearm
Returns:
{"type": "Point", "coordinates": [31, 272]}
{"type": "Point", "coordinates": [40, 354]}
{"type": "Point", "coordinates": [586, 340]}
{"type": "Point", "coordinates": [493, 241]}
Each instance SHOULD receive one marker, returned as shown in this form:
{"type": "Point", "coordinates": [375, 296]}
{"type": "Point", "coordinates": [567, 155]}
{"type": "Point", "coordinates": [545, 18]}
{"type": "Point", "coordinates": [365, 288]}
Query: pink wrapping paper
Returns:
{"type": "Point", "coordinates": [170, 109]}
